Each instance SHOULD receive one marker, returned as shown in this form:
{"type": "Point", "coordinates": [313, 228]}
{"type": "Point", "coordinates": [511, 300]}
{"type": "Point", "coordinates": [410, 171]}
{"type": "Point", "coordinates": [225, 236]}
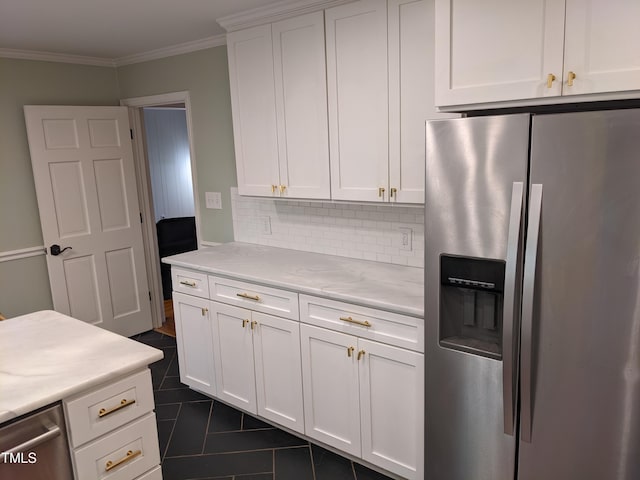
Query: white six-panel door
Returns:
{"type": "Point", "coordinates": [86, 189]}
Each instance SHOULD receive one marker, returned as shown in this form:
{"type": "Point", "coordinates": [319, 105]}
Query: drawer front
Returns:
{"type": "Point", "coordinates": [189, 282]}
{"type": "Point", "coordinates": [254, 297]}
{"type": "Point", "coordinates": [95, 413]}
{"type": "Point", "coordinates": [386, 327]}
{"type": "Point", "coordinates": [122, 455]}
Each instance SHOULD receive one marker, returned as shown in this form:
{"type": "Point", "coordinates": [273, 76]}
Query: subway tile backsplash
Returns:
{"type": "Point", "coordinates": [369, 232]}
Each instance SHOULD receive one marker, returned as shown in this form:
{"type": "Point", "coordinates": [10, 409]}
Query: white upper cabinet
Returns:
{"type": "Point", "coordinates": [411, 91]}
{"type": "Point", "coordinates": [536, 51]}
{"type": "Point", "coordinates": [301, 106]}
{"type": "Point", "coordinates": [278, 98]}
{"type": "Point", "coordinates": [498, 50]}
{"type": "Point", "coordinates": [253, 109]}
{"type": "Point", "coordinates": [358, 100]}
{"type": "Point", "coordinates": [602, 46]}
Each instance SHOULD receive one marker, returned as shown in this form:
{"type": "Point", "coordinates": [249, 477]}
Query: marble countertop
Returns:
{"type": "Point", "coordinates": [47, 356]}
{"type": "Point", "coordinates": [389, 287]}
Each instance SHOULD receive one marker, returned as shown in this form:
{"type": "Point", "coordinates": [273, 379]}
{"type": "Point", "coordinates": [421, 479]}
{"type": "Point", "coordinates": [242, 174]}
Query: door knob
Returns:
{"type": "Point", "coordinates": [56, 250]}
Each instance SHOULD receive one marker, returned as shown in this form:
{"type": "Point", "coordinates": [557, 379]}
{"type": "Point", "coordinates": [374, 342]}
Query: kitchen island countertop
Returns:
{"type": "Point", "coordinates": [47, 356]}
{"type": "Point", "coordinates": [386, 286]}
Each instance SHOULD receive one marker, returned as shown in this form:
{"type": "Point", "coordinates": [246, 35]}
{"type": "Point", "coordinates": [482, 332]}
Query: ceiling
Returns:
{"type": "Point", "coordinates": [112, 29]}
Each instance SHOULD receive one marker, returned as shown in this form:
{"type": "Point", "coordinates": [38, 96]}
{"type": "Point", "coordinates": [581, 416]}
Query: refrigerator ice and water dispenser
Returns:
{"type": "Point", "coordinates": [471, 299]}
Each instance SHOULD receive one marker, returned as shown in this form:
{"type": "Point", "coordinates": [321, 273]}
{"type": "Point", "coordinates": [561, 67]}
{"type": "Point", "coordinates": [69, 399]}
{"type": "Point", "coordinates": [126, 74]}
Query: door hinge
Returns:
{"type": "Point", "coordinates": [140, 217]}
{"type": "Point", "coordinates": [131, 133]}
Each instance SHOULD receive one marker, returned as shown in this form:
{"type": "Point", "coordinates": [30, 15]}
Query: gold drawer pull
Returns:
{"type": "Point", "coordinates": [357, 322]}
{"type": "Point", "coordinates": [129, 456]}
{"type": "Point", "coordinates": [187, 283]}
{"type": "Point", "coordinates": [250, 297]}
{"type": "Point", "coordinates": [361, 354]}
{"type": "Point", "coordinates": [244, 323]}
{"type": "Point", "coordinates": [550, 79]}
{"type": "Point", "coordinates": [253, 324]}
{"type": "Point", "coordinates": [570, 78]}
{"type": "Point", "coordinates": [350, 351]}
{"type": "Point", "coordinates": [103, 412]}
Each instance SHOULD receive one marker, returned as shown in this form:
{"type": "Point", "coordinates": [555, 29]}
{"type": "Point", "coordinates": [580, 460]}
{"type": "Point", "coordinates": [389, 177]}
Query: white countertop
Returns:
{"type": "Point", "coordinates": [47, 356]}
{"type": "Point", "coordinates": [380, 285]}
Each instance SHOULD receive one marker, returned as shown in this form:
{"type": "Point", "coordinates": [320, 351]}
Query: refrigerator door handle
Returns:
{"type": "Point", "coordinates": [530, 259]}
{"type": "Point", "coordinates": [510, 313]}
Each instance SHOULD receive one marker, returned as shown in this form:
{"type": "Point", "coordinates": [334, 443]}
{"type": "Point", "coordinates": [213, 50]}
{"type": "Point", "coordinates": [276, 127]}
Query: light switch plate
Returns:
{"type": "Point", "coordinates": [406, 239]}
{"type": "Point", "coordinates": [214, 200]}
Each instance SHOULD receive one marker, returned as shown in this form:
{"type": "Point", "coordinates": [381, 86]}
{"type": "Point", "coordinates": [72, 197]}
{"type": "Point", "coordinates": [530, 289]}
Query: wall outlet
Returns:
{"type": "Point", "coordinates": [214, 200]}
{"type": "Point", "coordinates": [406, 239]}
{"type": "Point", "coordinates": [265, 225]}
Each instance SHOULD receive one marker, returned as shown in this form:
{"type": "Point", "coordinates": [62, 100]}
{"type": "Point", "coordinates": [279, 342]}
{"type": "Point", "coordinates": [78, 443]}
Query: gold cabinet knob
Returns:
{"type": "Point", "coordinates": [244, 323]}
{"type": "Point", "coordinates": [361, 354]}
{"type": "Point", "coordinates": [282, 189]}
{"type": "Point", "coordinates": [381, 192]}
{"type": "Point", "coordinates": [350, 351]}
{"type": "Point", "coordinates": [570, 78]}
{"type": "Point", "coordinates": [394, 193]}
{"type": "Point", "coordinates": [550, 79]}
{"type": "Point", "coordinates": [253, 324]}
{"type": "Point", "coordinates": [273, 188]}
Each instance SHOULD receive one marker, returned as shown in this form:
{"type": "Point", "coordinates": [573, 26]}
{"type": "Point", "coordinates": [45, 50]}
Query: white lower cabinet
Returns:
{"type": "Point", "coordinates": [195, 342]}
{"type": "Point", "coordinates": [112, 431]}
{"type": "Point", "coordinates": [364, 398]}
{"type": "Point", "coordinates": [257, 363]}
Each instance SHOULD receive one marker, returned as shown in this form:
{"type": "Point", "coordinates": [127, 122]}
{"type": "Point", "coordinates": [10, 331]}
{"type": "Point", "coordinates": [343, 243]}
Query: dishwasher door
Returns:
{"type": "Point", "coordinates": [35, 447]}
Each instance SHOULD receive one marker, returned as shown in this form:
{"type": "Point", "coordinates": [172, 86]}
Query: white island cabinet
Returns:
{"type": "Point", "coordinates": [286, 347]}
{"type": "Point", "coordinates": [505, 53]}
{"type": "Point", "coordinates": [103, 383]}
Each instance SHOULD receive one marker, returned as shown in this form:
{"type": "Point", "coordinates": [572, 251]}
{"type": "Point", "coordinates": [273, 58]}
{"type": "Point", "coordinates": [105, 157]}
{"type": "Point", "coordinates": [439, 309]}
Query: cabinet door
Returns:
{"type": "Point", "coordinates": [194, 341]}
{"type": "Point", "coordinates": [330, 380]}
{"type": "Point", "coordinates": [233, 354]}
{"type": "Point", "coordinates": [276, 344]}
{"type": "Point", "coordinates": [497, 50]}
{"type": "Point", "coordinates": [253, 110]}
{"type": "Point", "coordinates": [301, 105]}
{"type": "Point", "coordinates": [392, 408]}
{"type": "Point", "coordinates": [411, 91]}
{"type": "Point", "coordinates": [358, 106]}
{"type": "Point", "coordinates": [602, 46]}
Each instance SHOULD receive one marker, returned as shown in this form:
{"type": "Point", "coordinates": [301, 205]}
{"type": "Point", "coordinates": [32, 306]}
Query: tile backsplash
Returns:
{"type": "Point", "coordinates": [369, 232]}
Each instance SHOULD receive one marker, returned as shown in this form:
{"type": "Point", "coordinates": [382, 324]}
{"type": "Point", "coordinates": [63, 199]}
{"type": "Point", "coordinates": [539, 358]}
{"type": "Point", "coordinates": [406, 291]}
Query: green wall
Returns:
{"type": "Point", "coordinates": [24, 284]}
{"type": "Point", "coordinates": [205, 75]}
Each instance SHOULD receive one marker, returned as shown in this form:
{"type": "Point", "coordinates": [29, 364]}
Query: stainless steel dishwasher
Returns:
{"type": "Point", "coordinates": [35, 447]}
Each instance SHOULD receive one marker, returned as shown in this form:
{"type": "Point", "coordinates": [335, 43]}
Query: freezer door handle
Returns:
{"type": "Point", "coordinates": [510, 313]}
{"type": "Point", "coordinates": [531, 255]}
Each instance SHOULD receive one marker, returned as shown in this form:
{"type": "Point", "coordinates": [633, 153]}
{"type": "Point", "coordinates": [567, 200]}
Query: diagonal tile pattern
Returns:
{"type": "Point", "coordinates": [203, 439]}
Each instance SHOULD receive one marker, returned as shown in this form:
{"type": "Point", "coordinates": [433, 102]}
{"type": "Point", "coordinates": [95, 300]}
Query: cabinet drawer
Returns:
{"type": "Point", "coordinates": [254, 297]}
{"type": "Point", "coordinates": [155, 474]}
{"type": "Point", "coordinates": [386, 327]}
{"type": "Point", "coordinates": [189, 282]}
{"type": "Point", "coordinates": [122, 455]}
{"type": "Point", "coordinates": [104, 409]}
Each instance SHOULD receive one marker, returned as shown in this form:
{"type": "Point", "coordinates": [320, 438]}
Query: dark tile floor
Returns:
{"type": "Point", "coordinates": [201, 438]}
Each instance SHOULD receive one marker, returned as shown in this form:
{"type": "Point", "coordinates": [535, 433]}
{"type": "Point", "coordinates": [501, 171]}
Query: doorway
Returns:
{"type": "Point", "coordinates": [166, 173]}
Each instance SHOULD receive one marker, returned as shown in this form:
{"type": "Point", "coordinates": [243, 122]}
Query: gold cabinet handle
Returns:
{"type": "Point", "coordinates": [570, 78]}
{"type": "Point", "coordinates": [550, 79]}
{"type": "Point", "coordinates": [244, 323]}
{"type": "Point", "coordinates": [282, 189]}
{"type": "Point", "coordinates": [253, 324]}
{"type": "Point", "coordinates": [361, 354]}
{"type": "Point", "coordinates": [381, 192]}
{"type": "Point", "coordinates": [250, 297]}
{"type": "Point", "coordinates": [350, 351]}
{"type": "Point", "coordinates": [127, 458]}
{"type": "Point", "coordinates": [204, 311]}
{"type": "Point", "coordinates": [103, 412]}
{"type": "Point", "coordinates": [357, 322]}
{"type": "Point", "coordinates": [273, 188]}
{"type": "Point", "coordinates": [394, 192]}
{"type": "Point", "coordinates": [187, 283]}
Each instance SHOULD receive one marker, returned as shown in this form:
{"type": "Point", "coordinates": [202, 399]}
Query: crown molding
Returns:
{"type": "Point", "coordinates": [179, 49]}
{"type": "Point", "coordinates": [56, 57]}
{"type": "Point", "coordinates": [274, 12]}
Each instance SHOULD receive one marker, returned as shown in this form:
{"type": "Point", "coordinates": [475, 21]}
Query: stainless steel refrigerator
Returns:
{"type": "Point", "coordinates": [532, 297]}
